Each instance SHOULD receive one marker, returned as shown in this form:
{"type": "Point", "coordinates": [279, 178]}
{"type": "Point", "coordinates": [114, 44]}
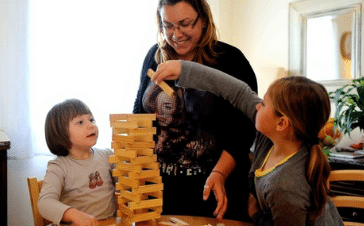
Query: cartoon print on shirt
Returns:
{"type": "Point", "coordinates": [99, 181]}
{"type": "Point", "coordinates": [181, 139]}
{"type": "Point", "coordinates": [92, 183]}
{"type": "Point", "coordinates": [95, 180]}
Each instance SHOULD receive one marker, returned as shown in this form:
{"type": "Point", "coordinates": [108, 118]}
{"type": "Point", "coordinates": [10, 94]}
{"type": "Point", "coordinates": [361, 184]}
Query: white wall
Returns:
{"type": "Point", "coordinates": [260, 30]}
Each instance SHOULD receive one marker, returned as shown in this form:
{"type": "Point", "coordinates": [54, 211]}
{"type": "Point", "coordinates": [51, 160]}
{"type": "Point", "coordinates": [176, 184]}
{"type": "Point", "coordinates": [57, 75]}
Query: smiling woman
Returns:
{"type": "Point", "coordinates": [86, 50]}
{"type": "Point", "coordinates": [198, 140]}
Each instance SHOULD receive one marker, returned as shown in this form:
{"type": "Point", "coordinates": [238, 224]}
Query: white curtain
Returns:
{"type": "Point", "coordinates": [14, 89]}
{"type": "Point", "coordinates": [86, 49]}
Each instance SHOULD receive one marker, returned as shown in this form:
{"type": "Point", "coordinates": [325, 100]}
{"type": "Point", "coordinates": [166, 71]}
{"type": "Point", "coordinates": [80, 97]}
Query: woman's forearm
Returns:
{"type": "Point", "coordinates": [225, 165]}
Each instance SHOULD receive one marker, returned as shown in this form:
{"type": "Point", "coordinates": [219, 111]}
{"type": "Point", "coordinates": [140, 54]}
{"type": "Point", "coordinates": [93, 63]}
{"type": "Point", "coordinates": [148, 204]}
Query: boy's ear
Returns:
{"type": "Point", "coordinates": [282, 124]}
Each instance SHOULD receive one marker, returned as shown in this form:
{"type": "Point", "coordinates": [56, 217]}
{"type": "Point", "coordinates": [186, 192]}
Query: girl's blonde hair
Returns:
{"type": "Point", "coordinates": [205, 49]}
{"type": "Point", "coordinates": [307, 106]}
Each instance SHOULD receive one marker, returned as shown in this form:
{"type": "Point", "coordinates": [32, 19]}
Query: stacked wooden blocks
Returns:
{"type": "Point", "coordinates": [137, 169]}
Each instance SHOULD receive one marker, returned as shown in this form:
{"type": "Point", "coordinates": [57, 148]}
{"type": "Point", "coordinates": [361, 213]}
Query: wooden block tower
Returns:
{"type": "Point", "coordinates": [137, 169]}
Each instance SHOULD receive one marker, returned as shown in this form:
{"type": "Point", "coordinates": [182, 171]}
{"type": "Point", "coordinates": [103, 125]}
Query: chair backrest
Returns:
{"type": "Point", "coordinates": [348, 201]}
{"type": "Point", "coordinates": [35, 187]}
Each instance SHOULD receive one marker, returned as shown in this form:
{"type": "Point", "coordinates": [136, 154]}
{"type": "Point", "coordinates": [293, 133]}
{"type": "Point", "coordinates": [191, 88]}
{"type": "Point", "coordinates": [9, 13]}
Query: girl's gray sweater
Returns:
{"type": "Point", "coordinates": [285, 191]}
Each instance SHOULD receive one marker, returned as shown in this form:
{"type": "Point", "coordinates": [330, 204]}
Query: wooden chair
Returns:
{"type": "Point", "coordinates": [348, 201]}
{"type": "Point", "coordinates": [34, 188]}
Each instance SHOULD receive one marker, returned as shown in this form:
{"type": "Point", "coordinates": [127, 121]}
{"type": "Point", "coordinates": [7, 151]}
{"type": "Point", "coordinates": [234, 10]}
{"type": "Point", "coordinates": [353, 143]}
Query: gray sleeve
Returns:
{"type": "Point", "coordinates": [288, 208]}
{"type": "Point", "coordinates": [49, 205]}
{"type": "Point", "coordinates": [237, 92]}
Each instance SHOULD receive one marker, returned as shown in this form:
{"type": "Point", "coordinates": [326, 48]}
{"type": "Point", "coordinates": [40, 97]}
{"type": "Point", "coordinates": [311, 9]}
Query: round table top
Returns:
{"type": "Point", "coordinates": [190, 220]}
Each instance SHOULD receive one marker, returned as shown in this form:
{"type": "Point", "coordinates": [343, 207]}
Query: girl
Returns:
{"type": "Point", "coordinates": [289, 172]}
{"type": "Point", "coordinates": [210, 149]}
{"type": "Point", "coordinates": [78, 186]}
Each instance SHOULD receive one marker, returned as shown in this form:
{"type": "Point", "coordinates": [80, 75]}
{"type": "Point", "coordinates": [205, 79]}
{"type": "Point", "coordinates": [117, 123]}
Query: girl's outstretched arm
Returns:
{"type": "Point", "coordinates": [198, 76]}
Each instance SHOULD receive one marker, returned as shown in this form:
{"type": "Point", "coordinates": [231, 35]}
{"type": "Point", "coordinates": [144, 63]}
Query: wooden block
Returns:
{"type": "Point", "coordinates": [143, 160]}
{"type": "Point", "coordinates": [133, 146]}
{"type": "Point", "coordinates": [117, 159]}
{"type": "Point", "coordinates": [117, 117]}
{"type": "Point", "coordinates": [126, 153]}
{"type": "Point", "coordinates": [122, 139]}
{"type": "Point", "coordinates": [121, 187]}
{"type": "Point", "coordinates": [116, 131]}
{"type": "Point", "coordinates": [152, 165]}
{"type": "Point", "coordinates": [125, 210]}
{"type": "Point", "coordinates": [129, 168]}
{"type": "Point", "coordinates": [146, 223]}
{"type": "Point", "coordinates": [137, 117]}
{"type": "Point", "coordinates": [129, 182]}
{"type": "Point", "coordinates": [144, 204]}
{"type": "Point", "coordinates": [166, 88]}
{"type": "Point", "coordinates": [145, 216]}
{"type": "Point", "coordinates": [157, 194]}
{"type": "Point", "coordinates": [115, 145]}
{"type": "Point", "coordinates": [143, 138]}
{"type": "Point", "coordinates": [149, 144]}
{"type": "Point", "coordinates": [145, 124]}
{"type": "Point", "coordinates": [124, 222]}
{"type": "Point", "coordinates": [144, 174]}
{"type": "Point", "coordinates": [143, 151]}
{"type": "Point", "coordinates": [156, 180]}
{"type": "Point", "coordinates": [151, 130]}
{"type": "Point", "coordinates": [119, 173]}
{"type": "Point", "coordinates": [124, 124]}
{"type": "Point", "coordinates": [147, 188]}
{"type": "Point", "coordinates": [178, 221]}
{"type": "Point", "coordinates": [165, 223]}
{"type": "Point", "coordinates": [131, 197]}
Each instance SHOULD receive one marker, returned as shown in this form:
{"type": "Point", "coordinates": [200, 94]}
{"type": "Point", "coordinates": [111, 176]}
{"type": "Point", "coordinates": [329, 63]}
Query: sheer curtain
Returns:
{"type": "Point", "coordinates": [90, 50]}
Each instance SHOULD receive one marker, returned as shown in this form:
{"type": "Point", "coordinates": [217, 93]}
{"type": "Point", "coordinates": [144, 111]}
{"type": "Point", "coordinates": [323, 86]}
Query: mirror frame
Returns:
{"type": "Point", "coordinates": [300, 12]}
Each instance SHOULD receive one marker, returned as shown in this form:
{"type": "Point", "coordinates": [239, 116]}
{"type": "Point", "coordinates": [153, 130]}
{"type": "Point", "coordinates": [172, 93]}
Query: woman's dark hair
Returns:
{"type": "Point", "coordinates": [57, 125]}
{"type": "Point", "coordinates": [205, 49]}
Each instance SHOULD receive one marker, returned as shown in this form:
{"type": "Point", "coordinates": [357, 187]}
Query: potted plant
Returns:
{"type": "Point", "coordinates": [349, 103]}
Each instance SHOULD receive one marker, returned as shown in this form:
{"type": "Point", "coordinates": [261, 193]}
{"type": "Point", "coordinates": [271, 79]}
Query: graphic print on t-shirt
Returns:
{"type": "Point", "coordinates": [95, 180]}
{"type": "Point", "coordinates": [182, 138]}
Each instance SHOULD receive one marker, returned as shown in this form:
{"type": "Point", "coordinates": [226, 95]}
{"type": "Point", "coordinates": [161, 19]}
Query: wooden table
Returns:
{"type": "Point", "coordinates": [192, 220]}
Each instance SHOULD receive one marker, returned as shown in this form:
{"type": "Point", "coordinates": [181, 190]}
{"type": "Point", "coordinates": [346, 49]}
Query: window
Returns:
{"type": "Point", "coordinates": [89, 50]}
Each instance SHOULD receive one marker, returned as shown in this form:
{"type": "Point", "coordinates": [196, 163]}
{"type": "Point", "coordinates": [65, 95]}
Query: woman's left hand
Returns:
{"type": "Point", "coordinates": [169, 70]}
{"type": "Point", "coordinates": [216, 183]}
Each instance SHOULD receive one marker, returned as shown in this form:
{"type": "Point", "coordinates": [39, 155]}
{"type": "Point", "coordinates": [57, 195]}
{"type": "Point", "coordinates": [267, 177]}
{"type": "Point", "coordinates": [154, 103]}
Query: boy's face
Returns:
{"type": "Point", "coordinates": [83, 132]}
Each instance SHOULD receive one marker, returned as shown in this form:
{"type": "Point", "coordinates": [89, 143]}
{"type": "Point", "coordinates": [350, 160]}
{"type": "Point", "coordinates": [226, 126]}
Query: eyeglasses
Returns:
{"type": "Point", "coordinates": [184, 27]}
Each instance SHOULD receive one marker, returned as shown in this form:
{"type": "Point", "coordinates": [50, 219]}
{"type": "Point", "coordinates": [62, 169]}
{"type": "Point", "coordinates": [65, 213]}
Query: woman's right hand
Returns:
{"type": "Point", "coordinates": [169, 70]}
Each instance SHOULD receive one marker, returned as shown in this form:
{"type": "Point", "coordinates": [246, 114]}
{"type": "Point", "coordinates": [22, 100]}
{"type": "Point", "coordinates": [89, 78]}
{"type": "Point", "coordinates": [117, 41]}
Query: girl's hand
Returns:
{"type": "Point", "coordinates": [79, 218]}
{"type": "Point", "coordinates": [169, 70]}
{"type": "Point", "coordinates": [216, 183]}
{"type": "Point", "coordinates": [253, 206]}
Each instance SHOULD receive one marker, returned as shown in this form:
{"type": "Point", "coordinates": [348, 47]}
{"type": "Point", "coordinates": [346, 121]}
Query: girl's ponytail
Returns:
{"type": "Point", "coordinates": [318, 172]}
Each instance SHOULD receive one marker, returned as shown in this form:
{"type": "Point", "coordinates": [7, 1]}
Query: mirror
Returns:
{"type": "Point", "coordinates": [325, 40]}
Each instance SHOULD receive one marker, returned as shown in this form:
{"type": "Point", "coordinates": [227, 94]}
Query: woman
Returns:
{"type": "Point", "coordinates": [206, 148]}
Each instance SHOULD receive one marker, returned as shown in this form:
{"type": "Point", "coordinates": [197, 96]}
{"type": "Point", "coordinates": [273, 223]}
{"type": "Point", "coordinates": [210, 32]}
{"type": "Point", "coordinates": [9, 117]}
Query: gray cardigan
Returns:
{"type": "Point", "coordinates": [285, 191]}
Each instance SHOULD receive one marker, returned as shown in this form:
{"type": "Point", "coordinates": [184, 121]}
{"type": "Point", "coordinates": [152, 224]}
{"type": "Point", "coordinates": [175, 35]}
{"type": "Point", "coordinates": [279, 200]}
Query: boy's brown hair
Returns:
{"type": "Point", "coordinates": [57, 125]}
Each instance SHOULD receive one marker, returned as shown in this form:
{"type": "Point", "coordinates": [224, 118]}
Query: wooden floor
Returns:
{"type": "Point", "coordinates": [19, 209]}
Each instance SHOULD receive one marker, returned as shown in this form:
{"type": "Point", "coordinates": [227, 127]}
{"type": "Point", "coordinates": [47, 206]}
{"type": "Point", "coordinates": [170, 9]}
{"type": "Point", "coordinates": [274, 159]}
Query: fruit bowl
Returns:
{"type": "Point", "coordinates": [329, 137]}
